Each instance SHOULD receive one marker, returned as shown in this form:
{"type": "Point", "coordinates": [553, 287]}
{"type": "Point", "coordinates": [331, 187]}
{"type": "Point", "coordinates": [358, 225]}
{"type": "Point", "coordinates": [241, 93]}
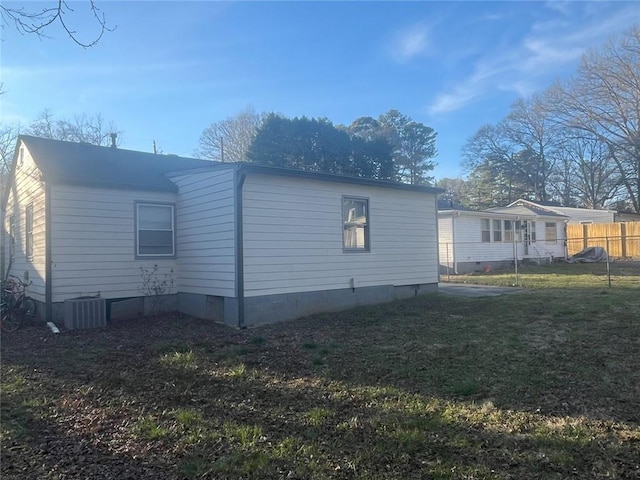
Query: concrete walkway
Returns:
{"type": "Point", "coordinates": [470, 290]}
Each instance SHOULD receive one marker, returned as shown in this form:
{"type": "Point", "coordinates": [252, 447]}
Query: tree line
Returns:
{"type": "Point", "coordinates": [577, 143]}
{"type": "Point", "coordinates": [390, 147]}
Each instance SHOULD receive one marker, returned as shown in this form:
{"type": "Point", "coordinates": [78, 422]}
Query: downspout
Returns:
{"type": "Point", "coordinates": [239, 182]}
{"type": "Point", "coordinates": [48, 261]}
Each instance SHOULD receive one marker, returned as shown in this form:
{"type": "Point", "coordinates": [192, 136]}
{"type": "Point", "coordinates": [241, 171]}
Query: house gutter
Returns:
{"type": "Point", "coordinates": [240, 177]}
{"type": "Point", "coordinates": [48, 261]}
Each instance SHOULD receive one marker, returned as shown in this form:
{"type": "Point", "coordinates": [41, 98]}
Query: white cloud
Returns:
{"type": "Point", "coordinates": [410, 43]}
{"type": "Point", "coordinates": [450, 102]}
{"type": "Point", "coordinates": [561, 6]}
{"type": "Point", "coordinates": [542, 54]}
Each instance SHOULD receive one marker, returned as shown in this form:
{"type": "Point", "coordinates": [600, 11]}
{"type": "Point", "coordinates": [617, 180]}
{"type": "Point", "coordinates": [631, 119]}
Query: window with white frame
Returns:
{"type": "Point", "coordinates": [550, 232]}
{"type": "Point", "coordinates": [485, 229]}
{"type": "Point", "coordinates": [518, 225]}
{"type": "Point", "coordinates": [532, 232]}
{"type": "Point", "coordinates": [355, 224]}
{"type": "Point", "coordinates": [28, 231]}
{"type": "Point", "coordinates": [155, 230]}
{"type": "Point", "coordinates": [508, 230]}
{"type": "Point", "coordinates": [497, 230]}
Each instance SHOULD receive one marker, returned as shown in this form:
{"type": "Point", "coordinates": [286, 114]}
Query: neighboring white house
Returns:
{"type": "Point", "coordinates": [242, 243]}
{"type": "Point", "coordinates": [573, 214]}
{"type": "Point", "coordinates": [471, 241]}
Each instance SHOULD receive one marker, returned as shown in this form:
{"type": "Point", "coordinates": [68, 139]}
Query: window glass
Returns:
{"type": "Point", "coordinates": [550, 232]}
{"type": "Point", "coordinates": [486, 229]}
{"type": "Point", "coordinates": [532, 232]}
{"type": "Point", "coordinates": [518, 231]}
{"type": "Point", "coordinates": [508, 231]}
{"type": "Point", "coordinates": [355, 223]}
{"type": "Point", "coordinates": [497, 230]}
{"type": "Point", "coordinates": [155, 230]}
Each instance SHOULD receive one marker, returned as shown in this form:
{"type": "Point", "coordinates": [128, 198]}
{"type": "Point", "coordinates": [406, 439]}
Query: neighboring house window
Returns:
{"type": "Point", "coordinates": [28, 231]}
{"type": "Point", "coordinates": [155, 231]}
{"type": "Point", "coordinates": [532, 232]}
{"type": "Point", "coordinates": [508, 231]}
{"type": "Point", "coordinates": [486, 229]}
{"type": "Point", "coordinates": [355, 224]}
{"type": "Point", "coordinates": [12, 237]}
{"type": "Point", "coordinates": [550, 232]}
{"type": "Point", "coordinates": [497, 230]}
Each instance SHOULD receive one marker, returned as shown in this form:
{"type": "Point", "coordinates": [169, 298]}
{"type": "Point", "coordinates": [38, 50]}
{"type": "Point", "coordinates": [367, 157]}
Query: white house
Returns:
{"type": "Point", "coordinates": [473, 241]}
{"type": "Point", "coordinates": [242, 243]}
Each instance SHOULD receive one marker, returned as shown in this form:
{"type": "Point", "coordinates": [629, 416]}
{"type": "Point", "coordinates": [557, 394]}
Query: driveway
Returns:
{"type": "Point", "coordinates": [470, 290]}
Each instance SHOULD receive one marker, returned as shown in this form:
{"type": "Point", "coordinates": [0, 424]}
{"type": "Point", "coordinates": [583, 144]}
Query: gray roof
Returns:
{"type": "Point", "coordinates": [91, 165]}
{"type": "Point", "coordinates": [525, 210]}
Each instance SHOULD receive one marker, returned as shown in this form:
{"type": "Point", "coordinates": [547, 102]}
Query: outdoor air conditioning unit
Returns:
{"type": "Point", "coordinates": [85, 312]}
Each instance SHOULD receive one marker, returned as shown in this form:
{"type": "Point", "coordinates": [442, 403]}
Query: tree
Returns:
{"type": "Point", "coordinates": [414, 146]}
{"type": "Point", "coordinates": [529, 128]}
{"type": "Point", "coordinates": [8, 138]}
{"type": "Point", "coordinates": [229, 140]}
{"type": "Point", "coordinates": [603, 100]}
{"type": "Point", "coordinates": [317, 145]}
{"type": "Point", "coordinates": [456, 192]}
{"type": "Point", "coordinates": [301, 143]}
{"type": "Point", "coordinates": [585, 174]}
{"type": "Point", "coordinates": [491, 156]}
{"type": "Point", "coordinates": [375, 143]}
{"type": "Point", "coordinates": [81, 128]}
{"type": "Point", "coordinates": [36, 22]}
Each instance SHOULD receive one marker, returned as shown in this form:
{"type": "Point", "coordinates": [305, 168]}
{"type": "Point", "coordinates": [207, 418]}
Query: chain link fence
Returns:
{"type": "Point", "coordinates": [474, 258]}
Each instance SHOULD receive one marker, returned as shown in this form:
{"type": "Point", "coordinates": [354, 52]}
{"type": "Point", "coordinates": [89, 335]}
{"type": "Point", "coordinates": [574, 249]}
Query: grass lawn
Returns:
{"type": "Point", "coordinates": [622, 274]}
{"type": "Point", "coordinates": [544, 384]}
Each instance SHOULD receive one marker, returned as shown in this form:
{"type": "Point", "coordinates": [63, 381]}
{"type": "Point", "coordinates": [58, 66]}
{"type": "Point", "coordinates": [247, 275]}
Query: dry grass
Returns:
{"type": "Point", "coordinates": [544, 385]}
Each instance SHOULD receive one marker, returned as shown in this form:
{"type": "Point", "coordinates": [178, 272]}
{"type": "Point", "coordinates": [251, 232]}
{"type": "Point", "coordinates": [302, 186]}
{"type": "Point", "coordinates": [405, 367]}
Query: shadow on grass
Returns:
{"type": "Point", "coordinates": [429, 388]}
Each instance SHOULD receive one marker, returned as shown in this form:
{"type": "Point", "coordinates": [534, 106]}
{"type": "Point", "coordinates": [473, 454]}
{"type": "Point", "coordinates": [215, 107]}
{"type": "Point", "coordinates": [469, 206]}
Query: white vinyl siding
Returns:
{"type": "Point", "coordinates": [12, 237]}
{"type": "Point", "coordinates": [205, 232]}
{"type": "Point", "coordinates": [445, 240]}
{"type": "Point", "coordinates": [469, 248]}
{"type": "Point", "coordinates": [28, 232]}
{"type": "Point", "coordinates": [27, 191]}
{"type": "Point", "coordinates": [293, 240]}
{"type": "Point", "coordinates": [94, 245]}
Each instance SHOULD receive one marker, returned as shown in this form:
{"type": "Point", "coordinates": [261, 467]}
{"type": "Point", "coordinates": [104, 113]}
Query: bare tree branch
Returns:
{"type": "Point", "coordinates": [229, 140]}
{"type": "Point", "coordinates": [30, 22]}
{"type": "Point", "coordinates": [82, 128]}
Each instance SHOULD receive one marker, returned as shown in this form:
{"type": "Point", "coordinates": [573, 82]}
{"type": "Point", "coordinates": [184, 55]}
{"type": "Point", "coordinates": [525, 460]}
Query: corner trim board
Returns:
{"type": "Point", "coordinates": [239, 182]}
{"type": "Point", "coordinates": [48, 261]}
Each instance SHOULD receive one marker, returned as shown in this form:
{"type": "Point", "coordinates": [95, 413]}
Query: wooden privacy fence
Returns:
{"type": "Point", "coordinates": [621, 240]}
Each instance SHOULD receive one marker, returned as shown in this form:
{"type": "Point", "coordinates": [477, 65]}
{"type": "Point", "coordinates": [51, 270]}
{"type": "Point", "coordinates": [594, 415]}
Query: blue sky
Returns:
{"type": "Point", "coordinates": [169, 69]}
